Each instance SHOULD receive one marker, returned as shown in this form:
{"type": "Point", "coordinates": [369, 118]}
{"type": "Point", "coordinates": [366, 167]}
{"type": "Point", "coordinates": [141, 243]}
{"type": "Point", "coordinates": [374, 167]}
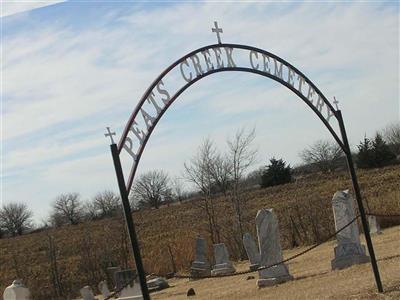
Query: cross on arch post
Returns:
{"type": "Point", "coordinates": [217, 31]}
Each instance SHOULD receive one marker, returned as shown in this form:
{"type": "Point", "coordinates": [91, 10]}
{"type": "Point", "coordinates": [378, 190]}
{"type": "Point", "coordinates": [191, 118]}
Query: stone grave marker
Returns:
{"type": "Point", "coordinates": [374, 227]}
{"type": "Point", "coordinates": [270, 250]}
{"type": "Point", "coordinates": [157, 283]}
{"type": "Point", "coordinates": [130, 280]}
{"type": "Point", "coordinates": [111, 275]}
{"type": "Point", "coordinates": [16, 291]}
{"type": "Point", "coordinates": [87, 293]}
{"type": "Point", "coordinates": [252, 251]}
{"type": "Point", "coordinates": [200, 265]}
{"type": "Point", "coordinates": [103, 288]}
{"type": "Point", "coordinates": [349, 250]}
{"type": "Point", "coordinates": [222, 263]}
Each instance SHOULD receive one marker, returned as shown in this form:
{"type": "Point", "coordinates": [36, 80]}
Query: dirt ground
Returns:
{"type": "Point", "coordinates": [313, 277]}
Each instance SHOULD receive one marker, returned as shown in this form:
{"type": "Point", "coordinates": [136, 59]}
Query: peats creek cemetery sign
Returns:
{"type": "Point", "coordinates": [212, 59]}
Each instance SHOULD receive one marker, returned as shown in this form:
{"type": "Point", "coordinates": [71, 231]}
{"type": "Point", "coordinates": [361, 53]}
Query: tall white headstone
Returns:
{"type": "Point", "coordinates": [222, 263]}
{"type": "Point", "coordinates": [349, 250]}
{"type": "Point", "coordinates": [252, 251]}
{"type": "Point", "coordinates": [16, 291]}
{"type": "Point", "coordinates": [200, 266]}
{"type": "Point", "coordinates": [270, 250]}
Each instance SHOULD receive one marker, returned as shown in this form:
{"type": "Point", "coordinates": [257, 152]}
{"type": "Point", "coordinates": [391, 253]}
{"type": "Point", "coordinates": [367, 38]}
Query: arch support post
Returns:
{"type": "Point", "coordinates": [361, 209]}
{"type": "Point", "coordinates": [129, 222]}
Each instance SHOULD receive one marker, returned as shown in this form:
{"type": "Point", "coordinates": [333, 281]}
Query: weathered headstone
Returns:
{"type": "Point", "coordinates": [16, 291]}
{"type": "Point", "coordinates": [156, 284]}
{"type": "Point", "coordinates": [87, 293]}
{"type": "Point", "coordinates": [128, 281]}
{"type": "Point", "coordinates": [252, 251]}
{"type": "Point", "coordinates": [270, 250]}
{"type": "Point", "coordinates": [103, 288]}
{"type": "Point", "coordinates": [200, 266]}
{"type": "Point", "coordinates": [349, 250]}
{"type": "Point", "coordinates": [111, 275]}
{"type": "Point", "coordinates": [222, 263]}
{"type": "Point", "coordinates": [374, 227]}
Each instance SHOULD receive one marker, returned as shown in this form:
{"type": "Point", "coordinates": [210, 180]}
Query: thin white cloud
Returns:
{"type": "Point", "coordinates": [83, 79]}
{"type": "Point", "coordinates": [11, 7]}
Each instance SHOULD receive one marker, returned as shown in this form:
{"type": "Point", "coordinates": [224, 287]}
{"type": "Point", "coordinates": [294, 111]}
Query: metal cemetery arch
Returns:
{"type": "Point", "coordinates": [193, 69]}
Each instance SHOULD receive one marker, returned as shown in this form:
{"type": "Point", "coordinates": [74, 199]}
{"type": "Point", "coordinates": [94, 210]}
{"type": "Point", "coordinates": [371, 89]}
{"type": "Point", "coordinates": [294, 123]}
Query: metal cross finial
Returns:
{"type": "Point", "coordinates": [336, 103]}
{"type": "Point", "coordinates": [217, 31]}
{"type": "Point", "coordinates": [110, 134]}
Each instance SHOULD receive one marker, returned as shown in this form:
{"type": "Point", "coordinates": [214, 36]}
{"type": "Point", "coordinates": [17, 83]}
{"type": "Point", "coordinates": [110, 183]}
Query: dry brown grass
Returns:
{"type": "Point", "coordinates": [177, 226]}
{"type": "Point", "coordinates": [313, 277]}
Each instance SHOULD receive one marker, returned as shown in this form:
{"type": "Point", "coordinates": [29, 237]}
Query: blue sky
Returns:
{"type": "Point", "coordinates": [73, 68]}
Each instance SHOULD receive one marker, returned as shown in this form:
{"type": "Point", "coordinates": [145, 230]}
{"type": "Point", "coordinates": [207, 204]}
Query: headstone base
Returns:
{"type": "Point", "coordinates": [347, 261]}
{"type": "Point", "coordinates": [374, 227]}
{"type": "Point", "coordinates": [198, 273]}
{"type": "Point", "coordinates": [349, 254]}
{"type": "Point", "coordinates": [263, 282]}
{"type": "Point", "coordinates": [254, 267]}
{"type": "Point", "coordinates": [223, 269]}
{"type": "Point", "coordinates": [131, 298]}
{"type": "Point", "coordinates": [274, 275]}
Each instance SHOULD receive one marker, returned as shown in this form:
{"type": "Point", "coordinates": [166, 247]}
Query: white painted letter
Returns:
{"type": "Point", "coordinates": [291, 74]}
{"type": "Point", "coordinates": [251, 60]}
{"type": "Point", "coordinates": [139, 133]}
{"type": "Point", "coordinates": [196, 64]}
{"type": "Point", "coordinates": [187, 79]}
{"type": "Point", "coordinates": [220, 62]}
{"type": "Point", "coordinates": [229, 51]}
{"type": "Point", "coordinates": [301, 81]}
{"type": "Point", "coordinates": [278, 73]}
{"type": "Point", "coordinates": [207, 55]}
{"type": "Point", "coordinates": [266, 64]}
{"type": "Point", "coordinates": [129, 148]}
{"type": "Point", "coordinates": [310, 94]}
{"type": "Point", "coordinates": [151, 100]}
{"type": "Point", "coordinates": [147, 119]}
{"type": "Point", "coordinates": [163, 92]}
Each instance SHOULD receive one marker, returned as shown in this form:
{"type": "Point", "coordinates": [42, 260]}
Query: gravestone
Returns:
{"type": "Point", "coordinates": [374, 227]}
{"type": "Point", "coordinates": [157, 284]}
{"type": "Point", "coordinates": [222, 263]}
{"type": "Point", "coordinates": [252, 251]}
{"type": "Point", "coordinates": [349, 250]}
{"type": "Point", "coordinates": [16, 291]}
{"type": "Point", "coordinates": [103, 288]}
{"type": "Point", "coordinates": [200, 266]}
{"type": "Point", "coordinates": [270, 250]}
{"type": "Point", "coordinates": [111, 275]}
{"type": "Point", "coordinates": [128, 281]}
{"type": "Point", "coordinates": [87, 293]}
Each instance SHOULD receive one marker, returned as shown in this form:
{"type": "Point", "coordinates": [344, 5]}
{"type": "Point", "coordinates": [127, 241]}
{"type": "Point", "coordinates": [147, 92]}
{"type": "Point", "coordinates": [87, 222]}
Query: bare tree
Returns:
{"type": "Point", "coordinates": [67, 209]}
{"type": "Point", "coordinates": [151, 189]}
{"type": "Point", "coordinates": [177, 189]}
{"type": "Point", "coordinates": [242, 156]}
{"type": "Point", "coordinates": [15, 218]}
{"type": "Point", "coordinates": [199, 171]}
{"type": "Point", "coordinates": [391, 134]}
{"type": "Point", "coordinates": [106, 204]}
{"type": "Point", "coordinates": [324, 155]}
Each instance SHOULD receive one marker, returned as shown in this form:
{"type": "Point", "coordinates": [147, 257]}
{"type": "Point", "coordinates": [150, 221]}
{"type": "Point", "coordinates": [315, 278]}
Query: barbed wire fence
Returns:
{"type": "Point", "coordinates": [180, 276]}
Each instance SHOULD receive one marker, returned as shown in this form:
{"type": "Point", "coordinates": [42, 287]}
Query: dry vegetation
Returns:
{"type": "Point", "coordinates": [82, 252]}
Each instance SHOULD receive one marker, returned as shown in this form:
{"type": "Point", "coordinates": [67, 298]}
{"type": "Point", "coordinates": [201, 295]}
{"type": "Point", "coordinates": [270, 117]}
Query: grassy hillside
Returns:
{"type": "Point", "coordinates": [84, 251]}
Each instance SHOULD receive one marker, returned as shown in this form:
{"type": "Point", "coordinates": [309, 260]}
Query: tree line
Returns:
{"type": "Point", "coordinates": [211, 173]}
